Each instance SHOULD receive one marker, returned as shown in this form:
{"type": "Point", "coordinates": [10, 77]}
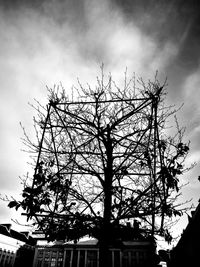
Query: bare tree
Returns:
{"type": "Point", "coordinates": [104, 158]}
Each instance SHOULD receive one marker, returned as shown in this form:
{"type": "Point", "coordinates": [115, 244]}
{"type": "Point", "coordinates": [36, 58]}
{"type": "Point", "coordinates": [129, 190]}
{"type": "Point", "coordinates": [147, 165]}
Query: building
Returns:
{"type": "Point", "coordinates": [7, 258]}
{"type": "Point", "coordinates": [16, 248]}
{"type": "Point", "coordinates": [137, 252]}
{"type": "Point", "coordinates": [186, 252]}
{"type": "Point", "coordinates": [86, 254]}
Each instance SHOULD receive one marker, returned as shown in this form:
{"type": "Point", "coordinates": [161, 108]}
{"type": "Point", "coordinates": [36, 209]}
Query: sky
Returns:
{"type": "Point", "coordinates": [43, 43]}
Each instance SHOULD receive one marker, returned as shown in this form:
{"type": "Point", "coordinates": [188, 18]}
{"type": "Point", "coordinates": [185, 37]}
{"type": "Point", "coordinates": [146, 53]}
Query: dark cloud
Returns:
{"type": "Point", "coordinates": [175, 21]}
{"type": "Point", "coordinates": [163, 21]}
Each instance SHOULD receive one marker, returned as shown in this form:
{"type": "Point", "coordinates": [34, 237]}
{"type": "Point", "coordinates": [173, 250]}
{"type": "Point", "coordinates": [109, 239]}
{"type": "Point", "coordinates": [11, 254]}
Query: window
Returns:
{"type": "Point", "coordinates": [67, 258]}
{"type": "Point", "coordinates": [91, 258]}
{"type": "Point", "coordinates": [53, 262]}
{"type": "Point", "coordinates": [75, 258]}
{"type": "Point", "coordinates": [116, 258]}
{"type": "Point", "coordinates": [133, 258]}
{"type": "Point", "coordinates": [82, 258]}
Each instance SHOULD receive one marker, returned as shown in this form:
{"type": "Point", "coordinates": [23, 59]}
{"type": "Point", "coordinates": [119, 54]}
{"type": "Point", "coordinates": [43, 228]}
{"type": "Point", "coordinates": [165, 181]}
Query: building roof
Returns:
{"type": "Point", "coordinates": [192, 229]}
{"type": "Point", "coordinates": [5, 229]}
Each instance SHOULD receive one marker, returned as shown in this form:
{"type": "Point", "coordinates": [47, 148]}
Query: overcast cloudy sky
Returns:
{"type": "Point", "coordinates": [45, 42]}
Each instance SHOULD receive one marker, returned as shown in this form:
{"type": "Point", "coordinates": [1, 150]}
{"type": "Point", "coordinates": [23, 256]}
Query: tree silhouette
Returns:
{"type": "Point", "coordinates": [103, 158]}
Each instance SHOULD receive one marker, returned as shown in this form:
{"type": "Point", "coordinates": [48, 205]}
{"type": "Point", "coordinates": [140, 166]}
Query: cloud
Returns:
{"type": "Point", "coordinates": [191, 94]}
{"type": "Point", "coordinates": [58, 42]}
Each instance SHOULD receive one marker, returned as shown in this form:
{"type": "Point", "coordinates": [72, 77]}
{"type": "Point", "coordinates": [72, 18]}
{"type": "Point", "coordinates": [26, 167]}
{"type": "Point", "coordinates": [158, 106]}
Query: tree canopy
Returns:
{"type": "Point", "coordinates": [104, 160]}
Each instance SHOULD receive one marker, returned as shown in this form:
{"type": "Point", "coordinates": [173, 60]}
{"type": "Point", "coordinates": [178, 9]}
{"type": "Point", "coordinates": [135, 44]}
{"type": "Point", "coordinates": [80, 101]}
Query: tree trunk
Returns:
{"type": "Point", "coordinates": [104, 259]}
